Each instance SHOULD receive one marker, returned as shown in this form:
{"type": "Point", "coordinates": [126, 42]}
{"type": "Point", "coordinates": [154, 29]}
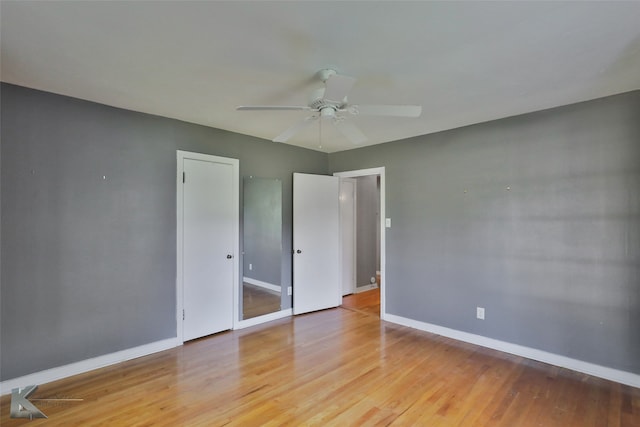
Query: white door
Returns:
{"type": "Point", "coordinates": [348, 234]}
{"type": "Point", "coordinates": [209, 218]}
{"type": "Point", "coordinates": [316, 243]}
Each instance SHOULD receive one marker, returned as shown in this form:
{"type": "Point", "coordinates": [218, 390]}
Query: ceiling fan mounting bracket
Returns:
{"type": "Point", "coordinates": [325, 74]}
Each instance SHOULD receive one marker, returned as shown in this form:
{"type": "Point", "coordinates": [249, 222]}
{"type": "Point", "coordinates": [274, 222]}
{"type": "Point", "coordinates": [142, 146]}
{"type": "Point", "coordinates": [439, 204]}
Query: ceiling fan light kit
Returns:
{"type": "Point", "coordinates": [328, 101]}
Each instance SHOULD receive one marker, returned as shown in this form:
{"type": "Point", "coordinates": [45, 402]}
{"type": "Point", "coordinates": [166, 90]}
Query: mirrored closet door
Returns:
{"type": "Point", "coordinates": [261, 284]}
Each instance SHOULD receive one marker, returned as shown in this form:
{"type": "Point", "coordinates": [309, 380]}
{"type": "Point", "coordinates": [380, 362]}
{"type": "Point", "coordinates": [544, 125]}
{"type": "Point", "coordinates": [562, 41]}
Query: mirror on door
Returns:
{"type": "Point", "coordinates": [262, 247]}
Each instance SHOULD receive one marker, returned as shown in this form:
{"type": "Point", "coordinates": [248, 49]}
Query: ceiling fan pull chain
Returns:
{"type": "Point", "coordinates": [320, 132]}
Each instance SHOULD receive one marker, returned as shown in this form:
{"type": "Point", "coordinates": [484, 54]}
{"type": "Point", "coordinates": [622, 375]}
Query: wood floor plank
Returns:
{"type": "Point", "coordinates": [334, 368]}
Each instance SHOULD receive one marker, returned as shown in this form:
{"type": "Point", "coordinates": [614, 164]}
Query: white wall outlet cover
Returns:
{"type": "Point", "coordinates": [480, 313]}
{"type": "Point", "coordinates": [387, 222]}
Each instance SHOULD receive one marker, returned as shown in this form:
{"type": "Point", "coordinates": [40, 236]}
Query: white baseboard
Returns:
{"type": "Point", "coordinates": [365, 288]}
{"type": "Point", "coordinates": [611, 374]}
{"type": "Point", "coordinates": [264, 318]}
{"type": "Point", "coordinates": [260, 283]}
{"type": "Point", "coordinates": [60, 372]}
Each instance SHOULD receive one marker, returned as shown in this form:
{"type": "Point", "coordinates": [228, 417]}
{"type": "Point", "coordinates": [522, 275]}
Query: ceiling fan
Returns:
{"type": "Point", "coordinates": [330, 102]}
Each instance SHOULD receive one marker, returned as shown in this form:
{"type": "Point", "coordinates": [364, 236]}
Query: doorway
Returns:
{"type": "Point", "coordinates": [368, 296]}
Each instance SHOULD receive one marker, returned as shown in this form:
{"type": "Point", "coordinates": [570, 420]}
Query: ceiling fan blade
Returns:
{"type": "Point", "coordinates": [337, 87]}
{"type": "Point", "coordinates": [387, 110]}
{"type": "Point", "coordinates": [350, 131]}
{"type": "Point", "coordinates": [284, 136]}
{"type": "Point", "coordinates": [272, 107]}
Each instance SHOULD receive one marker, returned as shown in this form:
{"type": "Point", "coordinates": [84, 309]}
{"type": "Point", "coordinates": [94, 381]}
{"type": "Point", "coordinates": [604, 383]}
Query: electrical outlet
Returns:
{"type": "Point", "coordinates": [289, 289]}
{"type": "Point", "coordinates": [250, 266]}
{"type": "Point", "coordinates": [480, 313]}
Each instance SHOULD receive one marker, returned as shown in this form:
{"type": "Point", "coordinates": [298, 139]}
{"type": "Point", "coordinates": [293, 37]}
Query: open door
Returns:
{"type": "Point", "coordinates": [316, 243]}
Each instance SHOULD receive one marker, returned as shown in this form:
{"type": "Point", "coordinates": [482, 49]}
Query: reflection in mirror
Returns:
{"type": "Point", "coordinates": [262, 246]}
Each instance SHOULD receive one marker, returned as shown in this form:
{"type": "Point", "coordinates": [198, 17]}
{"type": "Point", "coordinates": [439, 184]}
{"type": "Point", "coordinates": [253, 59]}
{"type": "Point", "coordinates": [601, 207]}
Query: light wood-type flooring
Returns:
{"type": "Point", "coordinates": [257, 301]}
{"type": "Point", "coordinates": [367, 302]}
{"type": "Point", "coordinates": [338, 367]}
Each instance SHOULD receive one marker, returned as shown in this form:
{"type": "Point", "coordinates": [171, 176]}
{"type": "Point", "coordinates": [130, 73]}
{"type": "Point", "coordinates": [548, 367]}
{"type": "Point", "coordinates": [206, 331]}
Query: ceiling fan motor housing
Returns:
{"type": "Point", "coordinates": [317, 101]}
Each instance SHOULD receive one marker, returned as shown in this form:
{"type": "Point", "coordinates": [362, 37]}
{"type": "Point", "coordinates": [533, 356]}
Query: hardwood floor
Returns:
{"type": "Point", "coordinates": [257, 301]}
{"type": "Point", "coordinates": [367, 302]}
{"type": "Point", "coordinates": [337, 367]}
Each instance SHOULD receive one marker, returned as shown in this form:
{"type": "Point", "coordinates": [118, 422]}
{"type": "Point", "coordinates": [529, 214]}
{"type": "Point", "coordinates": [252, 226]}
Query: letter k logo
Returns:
{"type": "Point", "coordinates": [21, 407]}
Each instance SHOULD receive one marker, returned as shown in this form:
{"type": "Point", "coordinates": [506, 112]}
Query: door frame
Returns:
{"type": "Point", "coordinates": [354, 202]}
{"type": "Point", "coordinates": [379, 171]}
{"type": "Point", "coordinates": [235, 163]}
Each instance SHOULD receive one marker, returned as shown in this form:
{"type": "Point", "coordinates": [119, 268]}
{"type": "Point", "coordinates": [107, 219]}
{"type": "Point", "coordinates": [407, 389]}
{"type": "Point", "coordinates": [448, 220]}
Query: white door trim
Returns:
{"type": "Point", "coordinates": [353, 225]}
{"type": "Point", "coordinates": [383, 249]}
{"type": "Point", "coordinates": [235, 163]}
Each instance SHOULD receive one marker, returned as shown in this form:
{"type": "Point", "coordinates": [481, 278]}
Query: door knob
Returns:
{"type": "Point", "coordinates": [298, 251]}
{"type": "Point", "coordinates": [229, 256]}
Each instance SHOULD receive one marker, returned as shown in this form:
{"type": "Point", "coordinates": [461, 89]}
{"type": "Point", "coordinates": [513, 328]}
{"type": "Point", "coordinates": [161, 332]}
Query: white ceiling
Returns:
{"type": "Point", "coordinates": [464, 62]}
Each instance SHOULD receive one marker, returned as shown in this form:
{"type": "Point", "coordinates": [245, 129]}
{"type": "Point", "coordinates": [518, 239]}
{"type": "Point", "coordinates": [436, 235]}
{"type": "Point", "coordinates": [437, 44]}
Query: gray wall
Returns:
{"type": "Point", "coordinates": [554, 260]}
{"type": "Point", "coordinates": [367, 205]}
{"type": "Point", "coordinates": [89, 264]}
{"type": "Point", "coordinates": [535, 217]}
